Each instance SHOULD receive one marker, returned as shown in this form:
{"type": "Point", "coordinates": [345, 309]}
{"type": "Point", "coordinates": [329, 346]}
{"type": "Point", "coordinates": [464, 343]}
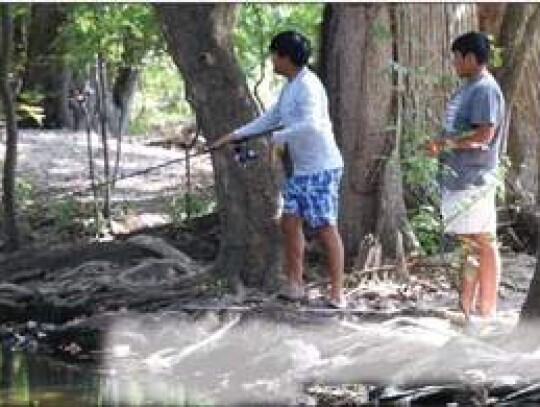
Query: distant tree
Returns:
{"type": "Point", "coordinates": [45, 78]}
{"type": "Point", "coordinates": [8, 105]}
{"type": "Point", "coordinates": [123, 34]}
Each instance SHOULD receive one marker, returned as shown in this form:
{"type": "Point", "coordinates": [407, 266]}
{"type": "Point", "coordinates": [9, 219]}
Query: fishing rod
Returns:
{"type": "Point", "coordinates": [242, 154]}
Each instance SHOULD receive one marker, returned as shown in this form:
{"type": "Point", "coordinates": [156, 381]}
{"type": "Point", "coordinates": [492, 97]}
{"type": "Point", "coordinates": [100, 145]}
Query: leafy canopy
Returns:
{"type": "Point", "coordinates": [257, 23]}
{"type": "Point", "coordinates": [122, 32]}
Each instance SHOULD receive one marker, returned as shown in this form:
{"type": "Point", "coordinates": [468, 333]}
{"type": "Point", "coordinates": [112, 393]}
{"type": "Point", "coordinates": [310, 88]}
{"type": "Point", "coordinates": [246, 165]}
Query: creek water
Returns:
{"type": "Point", "coordinates": [212, 361]}
{"type": "Point", "coordinates": [32, 380]}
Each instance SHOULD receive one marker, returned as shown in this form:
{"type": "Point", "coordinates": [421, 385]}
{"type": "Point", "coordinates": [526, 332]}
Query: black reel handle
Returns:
{"type": "Point", "coordinates": [243, 154]}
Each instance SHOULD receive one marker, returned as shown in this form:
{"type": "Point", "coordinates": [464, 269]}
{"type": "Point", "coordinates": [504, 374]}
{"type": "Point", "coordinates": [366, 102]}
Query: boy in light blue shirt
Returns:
{"type": "Point", "coordinates": [311, 192]}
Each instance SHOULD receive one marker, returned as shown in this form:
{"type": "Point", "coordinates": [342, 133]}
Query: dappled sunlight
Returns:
{"type": "Point", "coordinates": [55, 164]}
{"type": "Point", "coordinates": [51, 149]}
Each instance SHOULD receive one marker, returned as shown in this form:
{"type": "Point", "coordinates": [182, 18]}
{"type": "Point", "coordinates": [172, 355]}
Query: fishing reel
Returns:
{"type": "Point", "coordinates": [243, 154]}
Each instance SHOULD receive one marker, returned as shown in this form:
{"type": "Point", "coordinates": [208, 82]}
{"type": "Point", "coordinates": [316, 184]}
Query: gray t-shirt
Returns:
{"type": "Point", "coordinates": [478, 101]}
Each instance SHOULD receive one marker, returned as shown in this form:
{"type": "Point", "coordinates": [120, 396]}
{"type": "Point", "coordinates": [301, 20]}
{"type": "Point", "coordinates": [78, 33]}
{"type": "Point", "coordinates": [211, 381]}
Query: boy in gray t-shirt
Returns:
{"type": "Point", "coordinates": [478, 101]}
{"type": "Point", "coordinates": [469, 152]}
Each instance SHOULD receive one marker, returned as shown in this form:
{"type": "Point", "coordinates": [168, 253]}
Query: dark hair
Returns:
{"type": "Point", "coordinates": [291, 44]}
{"type": "Point", "coordinates": [475, 43]}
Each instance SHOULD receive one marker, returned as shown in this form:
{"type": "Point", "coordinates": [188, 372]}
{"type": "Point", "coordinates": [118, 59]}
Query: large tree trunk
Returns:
{"type": "Point", "coordinates": [514, 27]}
{"type": "Point", "coordinates": [517, 34]}
{"type": "Point", "coordinates": [364, 102]}
{"type": "Point", "coordinates": [422, 36]}
{"type": "Point", "coordinates": [10, 162]}
{"type": "Point", "coordinates": [519, 81]}
{"type": "Point", "coordinates": [360, 107]}
{"type": "Point", "coordinates": [44, 71]}
{"type": "Point", "coordinates": [199, 40]}
{"type": "Point", "coordinates": [531, 307]}
{"type": "Point", "coordinates": [519, 41]}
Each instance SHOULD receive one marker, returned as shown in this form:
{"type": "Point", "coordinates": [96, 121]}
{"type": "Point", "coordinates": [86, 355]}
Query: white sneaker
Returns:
{"type": "Point", "coordinates": [481, 325]}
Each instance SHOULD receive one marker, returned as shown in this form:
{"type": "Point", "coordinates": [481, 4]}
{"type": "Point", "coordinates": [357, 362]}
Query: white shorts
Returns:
{"type": "Point", "coordinates": [470, 211]}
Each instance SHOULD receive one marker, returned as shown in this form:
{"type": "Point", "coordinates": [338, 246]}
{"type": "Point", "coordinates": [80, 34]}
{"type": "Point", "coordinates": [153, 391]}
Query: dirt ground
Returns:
{"type": "Point", "coordinates": [53, 162]}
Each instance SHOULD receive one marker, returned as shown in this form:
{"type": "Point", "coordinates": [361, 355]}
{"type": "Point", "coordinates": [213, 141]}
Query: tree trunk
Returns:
{"type": "Point", "coordinates": [199, 40]}
{"type": "Point", "coordinates": [10, 162]}
{"type": "Point", "coordinates": [360, 104]}
{"type": "Point", "coordinates": [519, 38]}
{"type": "Point", "coordinates": [531, 307]}
{"type": "Point", "coordinates": [422, 34]}
{"type": "Point", "coordinates": [516, 34]}
{"type": "Point", "coordinates": [490, 17]}
{"type": "Point", "coordinates": [518, 78]}
{"type": "Point", "coordinates": [519, 81]}
{"type": "Point", "coordinates": [518, 31]}
{"type": "Point", "coordinates": [122, 97]}
{"type": "Point", "coordinates": [358, 42]}
{"type": "Point", "coordinates": [44, 72]}
{"type": "Point", "coordinates": [103, 129]}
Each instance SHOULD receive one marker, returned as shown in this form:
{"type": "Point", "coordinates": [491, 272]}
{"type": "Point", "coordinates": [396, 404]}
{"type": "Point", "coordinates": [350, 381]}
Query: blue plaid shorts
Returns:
{"type": "Point", "coordinates": [313, 197]}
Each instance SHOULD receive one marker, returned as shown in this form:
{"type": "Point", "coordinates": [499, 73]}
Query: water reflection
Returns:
{"type": "Point", "coordinates": [34, 380]}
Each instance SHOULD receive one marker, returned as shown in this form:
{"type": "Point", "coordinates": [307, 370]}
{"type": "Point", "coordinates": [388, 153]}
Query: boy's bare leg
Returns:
{"type": "Point", "coordinates": [485, 281]}
{"type": "Point", "coordinates": [331, 239]}
{"type": "Point", "coordinates": [294, 245]}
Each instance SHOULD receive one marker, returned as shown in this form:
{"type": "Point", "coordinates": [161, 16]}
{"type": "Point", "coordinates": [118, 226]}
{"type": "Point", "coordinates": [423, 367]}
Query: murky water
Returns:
{"type": "Point", "coordinates": [31, 380]}
{"type": "Point", "coordinates": [169, 361]}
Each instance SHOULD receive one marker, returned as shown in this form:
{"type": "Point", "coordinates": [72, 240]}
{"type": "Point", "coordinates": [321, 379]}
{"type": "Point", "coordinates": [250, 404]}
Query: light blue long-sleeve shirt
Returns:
{"type": "Point", "coordinates": [302, 110]}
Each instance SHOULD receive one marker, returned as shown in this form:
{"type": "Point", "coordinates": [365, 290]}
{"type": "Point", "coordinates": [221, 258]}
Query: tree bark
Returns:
{"type": "Point", "coordinates": [199, 40]}
{"type": "Point", "coordinates": [490, 17]}
{"type": "Point", "coordinates": [519, 39]}
{"type": "Point", "coordinates": [362, 105]}
{"type": "Point", "coordinates": [519, 36]}
{"type": "Point", "coordinates": [359, 98]}
{"type": "Point", "coordinates": [531, 307]}
{"type": "Point", "coordinates": [358, 43]}
{"type": "Point", "coordinates": [10, 162]}
{"type": "Point", "coordinates": [518, 31]}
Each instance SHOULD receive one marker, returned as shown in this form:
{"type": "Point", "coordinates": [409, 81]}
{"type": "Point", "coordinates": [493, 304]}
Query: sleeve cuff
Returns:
{"type": "Point", "coordinates": [279, 136]}
{"type": "Point", "coordinates": [237, 135]}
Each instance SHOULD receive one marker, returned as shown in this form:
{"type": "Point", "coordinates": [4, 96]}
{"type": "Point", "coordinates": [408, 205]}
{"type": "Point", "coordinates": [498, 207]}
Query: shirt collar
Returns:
{"type": "Point", "coordinates": [299, 74]}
